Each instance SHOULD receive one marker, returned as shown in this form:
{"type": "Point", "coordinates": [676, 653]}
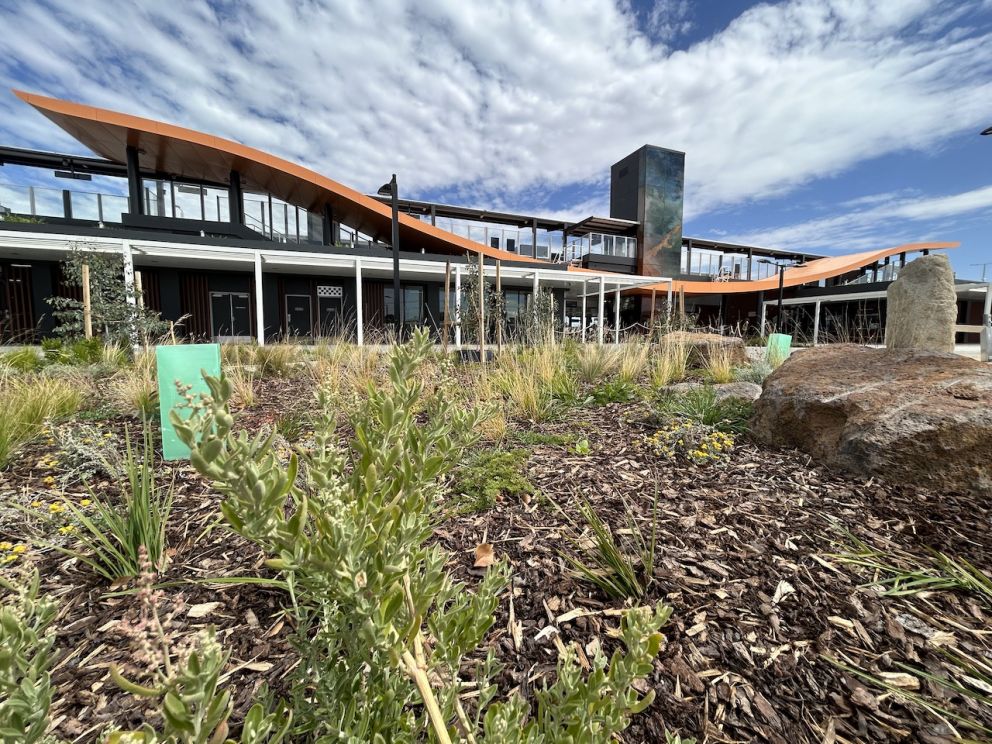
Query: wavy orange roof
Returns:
{"type": "Point", "coordinates": [167, 148]}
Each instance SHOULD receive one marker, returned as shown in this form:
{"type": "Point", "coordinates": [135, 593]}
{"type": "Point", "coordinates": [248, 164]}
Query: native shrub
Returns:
{"type": "Point", "coordinates": [348, 529]}
{"type": "Point", "coordinates": [25, 657]}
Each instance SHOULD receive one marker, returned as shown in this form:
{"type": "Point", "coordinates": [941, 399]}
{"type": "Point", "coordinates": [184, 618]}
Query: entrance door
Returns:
{"type": "Point", "coordinates": [331, 313]}
{"type": "Point", "coordinates": [299, 321]}
{"type": "Point", "coordinates": [230, 315]}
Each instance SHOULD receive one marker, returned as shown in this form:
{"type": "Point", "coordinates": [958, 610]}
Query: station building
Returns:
{"type": "Point", "coordinates": [232, 243]}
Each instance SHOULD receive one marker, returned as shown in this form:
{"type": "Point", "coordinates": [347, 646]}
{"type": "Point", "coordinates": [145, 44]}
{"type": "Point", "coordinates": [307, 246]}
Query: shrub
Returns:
{"type": "Point", "coordinates": [194, 709]}
{"type": "Point", "coordinates": [84, 451]}
{"type": "Point", "coordinates": [113, 538]}
{"type": "Point", "coordinates": [25, 684]}
{"type": "Point", "coordinates": [702, 406]}
{"type": "Point", "coordinates": [487, 476]}
{"type": "Point", "coordinates": [26, 405]}
{"type": "Point", "coordinates": [350, 535]}
{"type": "Point", "coordinates": [696, 442]}
{"type": "Point", "coordinates": [242, 383]}
{"type": "Point", "coordinates": [615, 391]}
{"type": "Point", "coordinates": [755, 372]}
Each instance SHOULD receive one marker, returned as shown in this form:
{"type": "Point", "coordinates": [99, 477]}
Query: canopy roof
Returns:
{"type": "Point", "coordinates": [186, 153]}
{"type": "Point", "coordinates": [807, 273]}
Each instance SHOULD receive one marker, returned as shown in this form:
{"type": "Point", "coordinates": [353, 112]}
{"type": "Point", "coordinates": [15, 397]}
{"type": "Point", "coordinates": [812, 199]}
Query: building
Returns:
{"type": "Point", "coordinates": [232, 243]}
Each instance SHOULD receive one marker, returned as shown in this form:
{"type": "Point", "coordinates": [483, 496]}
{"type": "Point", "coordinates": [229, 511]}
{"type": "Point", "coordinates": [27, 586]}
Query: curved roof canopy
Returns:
{"type": "Point", "coordinates": [812, 271]}
{"type": "Point", "coordinates": [186, 153]}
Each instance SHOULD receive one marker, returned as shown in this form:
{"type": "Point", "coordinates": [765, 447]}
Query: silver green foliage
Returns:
{"type": "Point", "coordinates": [376, 608]}
{"type": "Point", "coordinates": [25, 658]}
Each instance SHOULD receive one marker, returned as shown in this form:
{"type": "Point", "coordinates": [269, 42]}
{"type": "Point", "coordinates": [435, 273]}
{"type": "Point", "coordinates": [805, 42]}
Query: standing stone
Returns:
{"type": "Point", "coordinates": [922, 306]}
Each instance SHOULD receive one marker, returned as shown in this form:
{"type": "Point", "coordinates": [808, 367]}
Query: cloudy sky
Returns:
{"type": "Point", "coordinates": [824, 125]}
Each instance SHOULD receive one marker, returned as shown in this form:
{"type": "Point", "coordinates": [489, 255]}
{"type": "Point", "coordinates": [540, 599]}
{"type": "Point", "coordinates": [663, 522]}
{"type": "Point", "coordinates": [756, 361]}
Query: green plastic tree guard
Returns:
{"type": "Point", "coordinates": [184, 364]}
{"type": "Point", "coordinates": [778, 346]}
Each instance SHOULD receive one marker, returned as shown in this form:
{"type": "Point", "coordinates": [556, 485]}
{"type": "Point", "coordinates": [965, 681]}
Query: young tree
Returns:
{"type": "Point", "coordinates": [115, 308]}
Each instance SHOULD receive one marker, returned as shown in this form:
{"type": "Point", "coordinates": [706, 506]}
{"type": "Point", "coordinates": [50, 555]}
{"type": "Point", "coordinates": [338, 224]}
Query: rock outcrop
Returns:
{"type": "Point", "coordinates": [701, 345]}
{"type": "Point", "coordinates": [922, 307]}
{"type": "Point", "coordinates": [915, 417]}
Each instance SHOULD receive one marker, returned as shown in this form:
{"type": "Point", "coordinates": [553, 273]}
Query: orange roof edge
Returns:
{"type": "Point", "coordinates": [62, 112]}
{"type": "Point", "coordinates": [814, 271]}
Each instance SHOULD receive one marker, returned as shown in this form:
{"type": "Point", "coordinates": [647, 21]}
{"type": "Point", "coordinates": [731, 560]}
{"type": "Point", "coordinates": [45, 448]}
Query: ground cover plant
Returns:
{"type": "Point", "coordinates": [340, 537]}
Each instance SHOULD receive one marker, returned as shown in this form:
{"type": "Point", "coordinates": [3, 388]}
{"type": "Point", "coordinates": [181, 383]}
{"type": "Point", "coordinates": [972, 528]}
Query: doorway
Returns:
{"type": "Point", "coordinates": [230, 316]}
{"type": "Point", "coordinates": [330, 311]}
{"type": "Point", "coordinates": [299, 318]}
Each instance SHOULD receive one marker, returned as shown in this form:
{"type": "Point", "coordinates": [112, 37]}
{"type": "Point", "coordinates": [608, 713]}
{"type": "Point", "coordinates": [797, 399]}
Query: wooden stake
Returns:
{"type": "Point", "coordinates": [447, 304]}
{"type": "Point", "coordinates": [482, 311]}
{"type": "Point", "coordinates": [499, 319]}
{"type": "Point", "coordinates": [137, 290]}
{"type": "Point", "coordinates": [87, 306]}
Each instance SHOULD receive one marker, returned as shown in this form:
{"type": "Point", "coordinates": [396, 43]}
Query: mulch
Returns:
{"type": "Point", "coordinates": [745, 558]}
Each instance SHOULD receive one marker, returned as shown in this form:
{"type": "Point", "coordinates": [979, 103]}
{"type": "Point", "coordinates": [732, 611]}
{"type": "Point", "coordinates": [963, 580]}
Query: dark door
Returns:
{"type": "Point", "coordinates": [230, 315]}
{"type": "Point", "coordinates": [299, 321]}
{"type": "Point", "coordinates": [330, 317]}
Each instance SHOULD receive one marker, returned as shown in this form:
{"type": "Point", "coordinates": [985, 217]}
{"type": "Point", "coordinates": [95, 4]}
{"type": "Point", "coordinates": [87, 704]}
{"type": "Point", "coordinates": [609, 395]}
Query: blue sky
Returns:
{"type": "Point", "coordinates": [821, 125]}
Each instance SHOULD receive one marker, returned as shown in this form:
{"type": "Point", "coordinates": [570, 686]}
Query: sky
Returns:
{"type": "Point", "coordinates": [826, 126]}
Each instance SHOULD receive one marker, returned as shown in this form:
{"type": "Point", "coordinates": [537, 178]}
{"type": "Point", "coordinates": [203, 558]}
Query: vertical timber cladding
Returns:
{"type": "Point", "coordinates": [646, 186]}
{"type": "Point", "coordinates": [194, 300]}
{"type": "Point", "coordinates": [16, 303]}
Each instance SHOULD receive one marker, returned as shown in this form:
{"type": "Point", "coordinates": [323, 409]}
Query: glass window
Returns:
{"type": "Point", "coordinates": [411, 304]}
{"type": "Point", "coordinates": [515, 303]}
{"type": "Point", "coordinates": [511, 244]}
{"type": "Point", "coordinates": [494, 241]}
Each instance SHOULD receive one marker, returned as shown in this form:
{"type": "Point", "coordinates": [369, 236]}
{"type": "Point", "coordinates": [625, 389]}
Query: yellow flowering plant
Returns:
{"type": "Point", "coordinates": [687, 440]}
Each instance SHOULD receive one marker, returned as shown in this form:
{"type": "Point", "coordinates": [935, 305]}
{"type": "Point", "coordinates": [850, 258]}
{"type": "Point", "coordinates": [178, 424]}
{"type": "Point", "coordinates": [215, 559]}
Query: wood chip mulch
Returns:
{"type": "Point", "coordinates": [745, 559]}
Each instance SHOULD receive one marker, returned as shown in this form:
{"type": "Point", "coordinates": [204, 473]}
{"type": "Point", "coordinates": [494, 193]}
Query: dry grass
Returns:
{"type": "Point", "coordinates": [670, 364]}
{"type": "Point", "coordinates": [632, 360]}
{"type": "Point", "coordinates": [27, 403]}
{"type": "Point", "coordinates": [595, 362]}
{"type": "Point", "coordinates": [135, 388]}
{"type": "Point", "coordinates": [719, 364]}
{"type": "Point", "coordinates": [243, 383]}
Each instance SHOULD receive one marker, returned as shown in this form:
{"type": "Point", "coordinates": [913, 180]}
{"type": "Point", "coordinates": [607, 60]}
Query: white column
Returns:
{"type": "Point", "coordinates": [458, 306]}
{"type": "Point", "coordinates": [764, 315]}
{"type": "Point", "coordinates": [816, 323]}
{"type": "Point", "coordinates": [129, 293]}
{"type": "Point", "coordinates": [359, 309]}
{"type": "Point", "coordinates": [602, 309]}
{"type": "Point", "coordinates": [616, 317]}
{"type": "Point", "coordinates": [535, 288]}
{"type": "Point", "coordinates": [259, 305]}
{"type": "Point", "coordinates": [584, 283]}
{"type": "Point", "coordinates": [668, 310]}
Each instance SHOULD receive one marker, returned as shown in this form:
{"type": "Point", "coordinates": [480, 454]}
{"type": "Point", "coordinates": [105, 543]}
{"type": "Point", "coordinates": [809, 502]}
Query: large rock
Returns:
{"type": "Point", "coordinates": [916, 417]}
{"type": "Point", "coordinates": [922, 306]}
{"type": "Point", "coordinates": [701, 345]}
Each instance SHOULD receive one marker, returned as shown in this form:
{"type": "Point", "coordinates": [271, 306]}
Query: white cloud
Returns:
{"type": "Point", "coordinates": [888, 219]}
{"type": "Point", "coordinates": [498, 103]}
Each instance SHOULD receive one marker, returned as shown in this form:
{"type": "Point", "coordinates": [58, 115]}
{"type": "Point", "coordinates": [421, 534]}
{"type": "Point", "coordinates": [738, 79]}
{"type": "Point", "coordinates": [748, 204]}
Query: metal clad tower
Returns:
{"type": "Point", "coordinates": [646, 186]}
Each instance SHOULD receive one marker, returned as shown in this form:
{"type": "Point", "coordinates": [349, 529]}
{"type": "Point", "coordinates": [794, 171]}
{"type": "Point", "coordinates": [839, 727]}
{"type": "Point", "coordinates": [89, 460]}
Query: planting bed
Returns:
{"type": "Point", "coordinates": [778, 632]}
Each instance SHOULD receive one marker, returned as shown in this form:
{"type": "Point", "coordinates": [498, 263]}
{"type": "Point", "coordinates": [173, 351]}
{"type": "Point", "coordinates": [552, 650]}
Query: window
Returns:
{"type": "Point", "coordinates": [515, 302]}
{"type": "Point", "coordinates": [411, 304]}
{"type": "Point", "coordinates": [494, 241]}
{"type": "Point", "coordinates": [511, 244]}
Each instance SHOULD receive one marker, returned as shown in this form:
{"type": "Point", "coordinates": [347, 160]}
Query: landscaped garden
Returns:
{"type": "Point", "coordinates": [569, 543]}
